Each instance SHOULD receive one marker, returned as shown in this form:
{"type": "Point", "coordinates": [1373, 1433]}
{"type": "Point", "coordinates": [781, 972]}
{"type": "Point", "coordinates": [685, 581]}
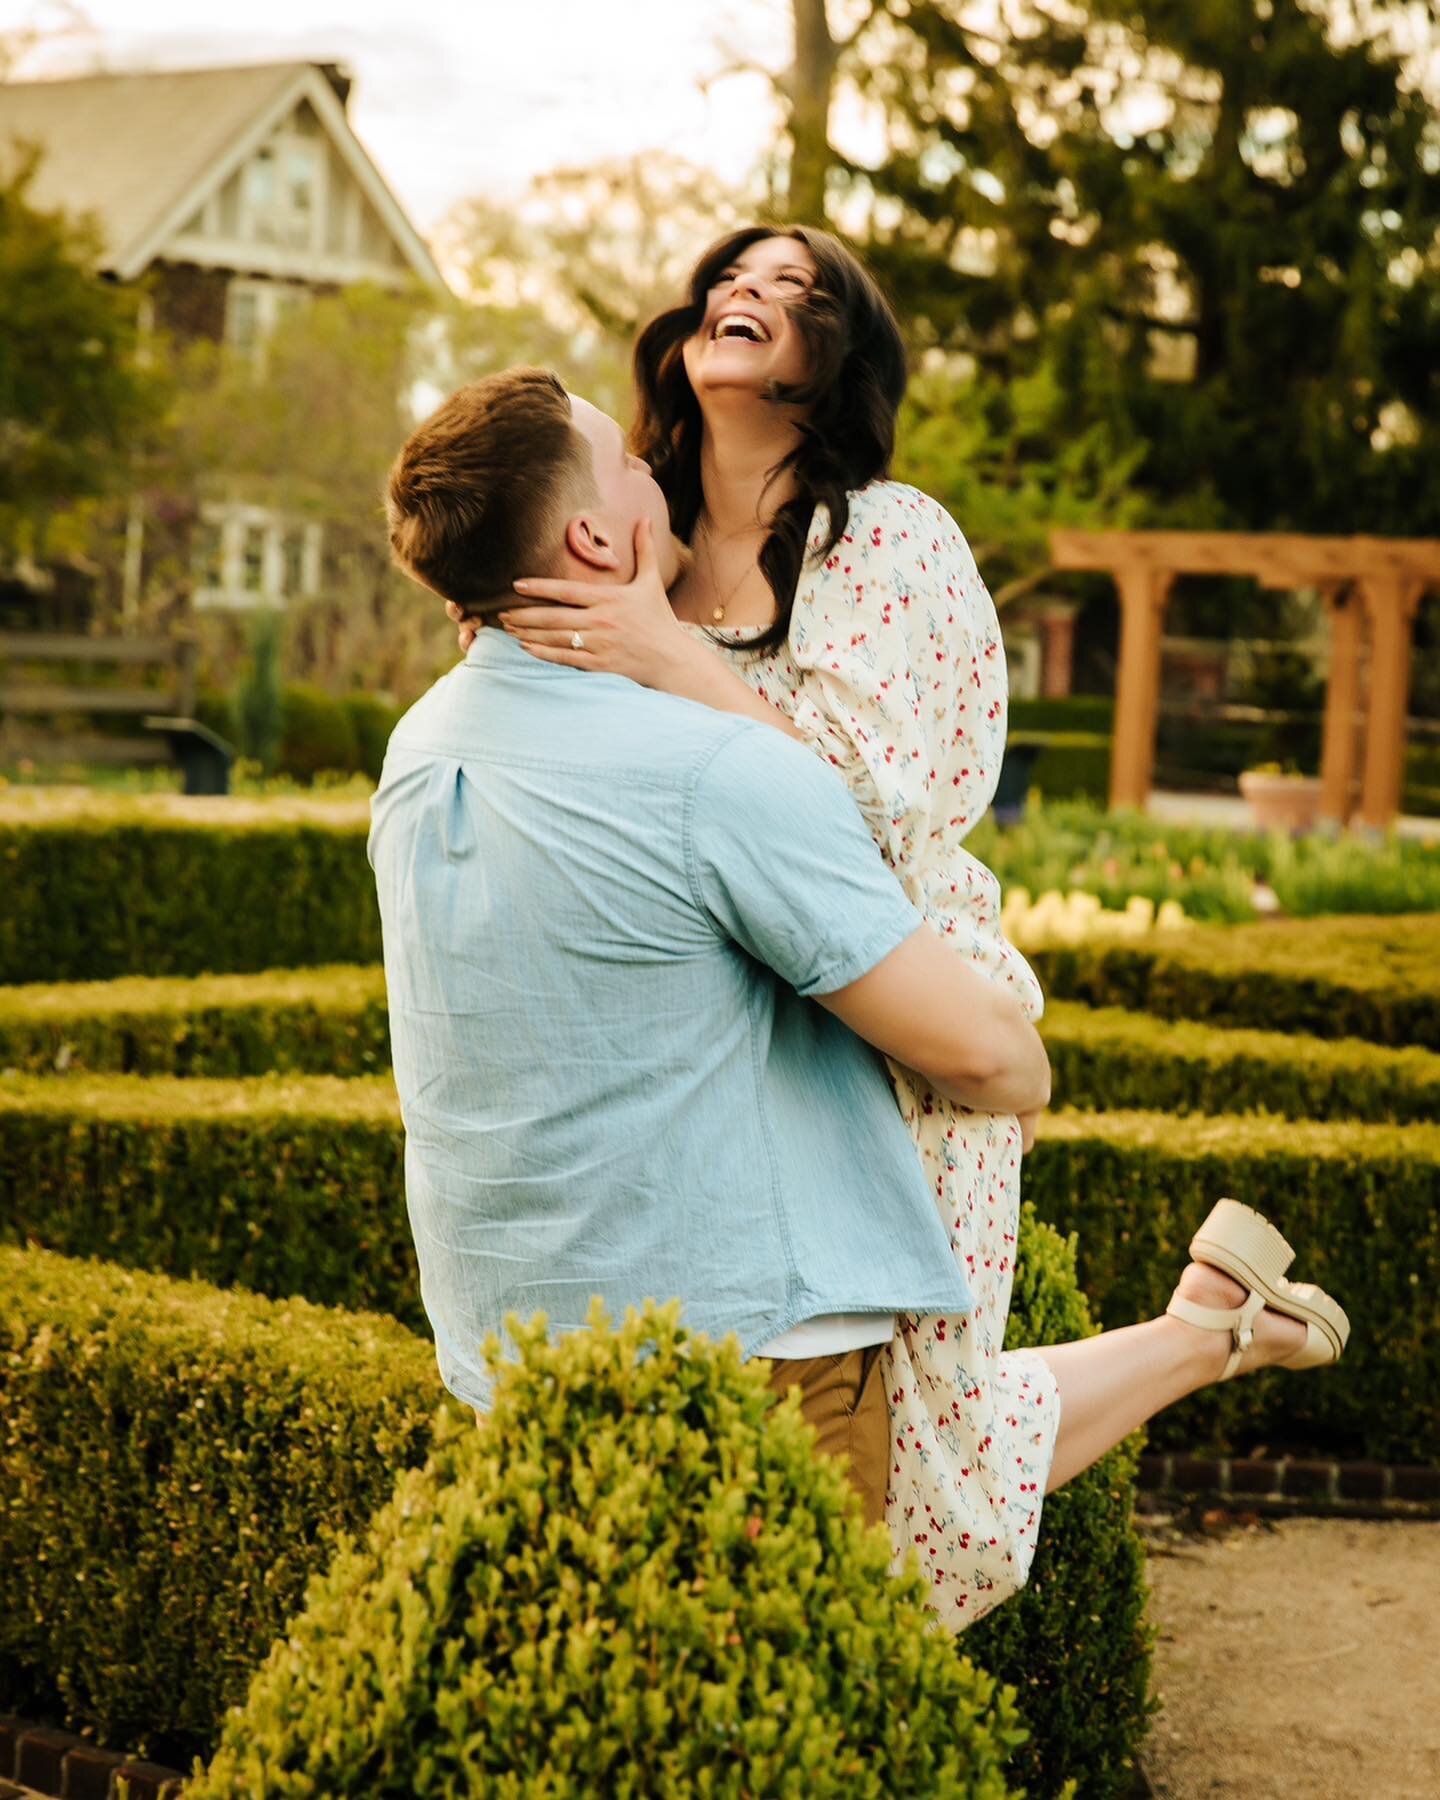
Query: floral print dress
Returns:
{"type": "Point", "coordinates": [895, 674]}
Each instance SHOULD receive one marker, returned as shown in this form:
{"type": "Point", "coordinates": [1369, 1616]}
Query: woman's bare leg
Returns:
{"type": "Point", "coordinates": [1111, 1384]}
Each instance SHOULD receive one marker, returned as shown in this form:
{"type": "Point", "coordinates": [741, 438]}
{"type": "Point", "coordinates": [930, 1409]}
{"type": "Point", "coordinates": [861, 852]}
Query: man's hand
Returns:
{"type": "Point", "coordinates": [628, 629]}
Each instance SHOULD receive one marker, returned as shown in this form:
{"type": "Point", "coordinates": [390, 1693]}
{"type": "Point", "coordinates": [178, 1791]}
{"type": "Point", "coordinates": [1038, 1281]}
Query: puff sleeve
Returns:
{"type": "Point", "coordinates": [901, 671]}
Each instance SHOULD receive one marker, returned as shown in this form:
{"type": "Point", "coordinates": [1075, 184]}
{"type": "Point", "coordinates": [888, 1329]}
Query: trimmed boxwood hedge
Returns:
{"type": "Point", "coordinates": [332, 1021]}
{"type": "Point", "coordinates": [295, 1186]}
{"type": "Point", "coordinates": [1358, 1202]}
{"type": "Point", "coordinates": [1111, 1060]}
{"type": "Point", "coordinates": [284, 1186]}
{"type": "Point", "coordinates": [90, 898]}
{"type": "Point", "coordinates": [325, 1021]}
{"type": "Point", "coordinates": [179, 1460]}
{"type": "Point", "coordinates": [638, 1579]}
{"type": "Point", "coordinates": [1372, 978]}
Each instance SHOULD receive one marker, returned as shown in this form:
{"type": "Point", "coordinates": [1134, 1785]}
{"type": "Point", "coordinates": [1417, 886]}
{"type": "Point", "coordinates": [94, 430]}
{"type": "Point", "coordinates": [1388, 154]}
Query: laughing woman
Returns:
{"type": "Point", "coordinates": [846, 610]}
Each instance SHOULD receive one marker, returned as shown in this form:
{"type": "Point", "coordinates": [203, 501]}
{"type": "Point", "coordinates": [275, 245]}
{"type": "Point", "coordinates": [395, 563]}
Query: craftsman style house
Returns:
{"type": "Point", "coordinates": [238, 192]}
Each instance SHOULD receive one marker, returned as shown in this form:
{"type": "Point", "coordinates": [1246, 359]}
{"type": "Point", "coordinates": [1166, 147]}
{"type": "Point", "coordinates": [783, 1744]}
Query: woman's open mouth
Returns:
{"type": "Point", "coordinates": [739, 327]}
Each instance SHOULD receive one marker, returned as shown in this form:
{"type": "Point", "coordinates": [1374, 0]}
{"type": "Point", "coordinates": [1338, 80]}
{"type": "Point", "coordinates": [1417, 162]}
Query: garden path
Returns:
{"type": "Point", "coordinates": [1299, 1659]}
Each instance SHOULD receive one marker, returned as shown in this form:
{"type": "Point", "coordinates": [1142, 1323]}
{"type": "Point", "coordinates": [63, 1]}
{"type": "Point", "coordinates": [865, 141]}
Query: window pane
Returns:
{"type": "Point", "coordinates": [209, 555]}
{"type": "Point", "coordinates": [253, 565]}
{"type": "Point", "coordinates": [242, 323]}
{"type": "Point", "coordinates": [293, 557]}
{"type": "Point", "coordinates": [260, 184]}
{"type": "Point", "coordinates": [300, 183]}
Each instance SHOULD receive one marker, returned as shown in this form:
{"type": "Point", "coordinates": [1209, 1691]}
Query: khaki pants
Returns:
{"type": "Point", "coordinates": [842, 1397]}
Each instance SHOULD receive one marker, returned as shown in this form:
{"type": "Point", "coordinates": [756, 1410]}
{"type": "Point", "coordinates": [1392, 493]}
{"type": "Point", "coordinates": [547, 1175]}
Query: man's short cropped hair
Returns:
{"type": "Point", "coordinates": [479, 494]}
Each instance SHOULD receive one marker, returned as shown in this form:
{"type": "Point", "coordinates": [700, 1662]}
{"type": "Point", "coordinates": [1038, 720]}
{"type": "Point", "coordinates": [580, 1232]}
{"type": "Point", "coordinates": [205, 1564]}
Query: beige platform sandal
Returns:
{"type": "Point", "coordinates": [1248, 1247]}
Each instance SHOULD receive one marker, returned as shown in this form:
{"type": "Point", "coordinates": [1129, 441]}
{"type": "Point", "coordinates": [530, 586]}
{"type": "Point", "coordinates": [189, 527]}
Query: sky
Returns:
{"type": "Point", "coordinates": [472, 97]}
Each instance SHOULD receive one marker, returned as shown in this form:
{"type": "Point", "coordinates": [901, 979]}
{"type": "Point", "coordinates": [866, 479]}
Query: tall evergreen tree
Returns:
{"type": "Point", "coordinates": [75, 399]}
{"type": "Point", "coordinates": [1212, 224]}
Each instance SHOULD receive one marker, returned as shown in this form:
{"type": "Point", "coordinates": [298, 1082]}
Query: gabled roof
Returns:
{"type": "Point", "coordinates": [140, 153]}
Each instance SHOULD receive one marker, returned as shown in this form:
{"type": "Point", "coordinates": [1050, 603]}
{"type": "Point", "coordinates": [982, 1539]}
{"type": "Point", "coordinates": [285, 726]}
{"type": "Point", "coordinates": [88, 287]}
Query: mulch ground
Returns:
{"type": "Point", "coordinates": [1299, 1659]}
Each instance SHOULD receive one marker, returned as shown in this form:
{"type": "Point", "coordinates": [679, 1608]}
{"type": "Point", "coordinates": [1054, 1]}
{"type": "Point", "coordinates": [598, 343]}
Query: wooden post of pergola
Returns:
{"type": "Point", "coordinates": [1379, 580]}
{"type": "Point", "coordinates": [1392, 598]}
{"type": "Point", "coordinates": [1342, 703]}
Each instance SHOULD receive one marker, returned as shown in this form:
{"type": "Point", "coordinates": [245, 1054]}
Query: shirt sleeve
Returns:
{"type": "Point", "coordinates": [890, 636]}
{"type": "Point", "coordinates": [782, 863]}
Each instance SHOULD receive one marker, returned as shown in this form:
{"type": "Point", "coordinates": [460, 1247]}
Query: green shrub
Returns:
{"type": "Point", "coordinates": [177, 1464]}
{"type": "Point", "coordinates": [372, 720]}
{"type": "Point", "coordinates": [328, 1021]}
{"type": "Point", "coordinates": [216, 709]}
{"type": "Point", "coordinates": [635, 1579]}
{"type": "Point", "coordinates": [1377, 979]}
{"type": "Point", "coordinates": [1111, 1060]}
{"type": "Point", "coordinates": [87, 899]}
{"type": "Point", "coordinates": [1077, 1632]}
{"type": "Point", "coordinates": [1093, 714]}
{"type": "Point", "coordinates": [281, 1186]}
{"type": "Point", "coordinates": [1356, 1201]}
{"type": "Point", "coordinates": [259, 706]}
{"type": "Point", "coordinates": [188, 1456]}
{"type": "Point", "coordinates": [1071, 764]}
{"type": "Point", "coordinates": [317, 734]}
{"type": "Point", "coordinates": [1422, 780]}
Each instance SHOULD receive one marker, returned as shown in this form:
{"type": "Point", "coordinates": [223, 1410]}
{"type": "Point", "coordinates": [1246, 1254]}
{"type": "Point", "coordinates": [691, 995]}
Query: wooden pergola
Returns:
{"type": "Point", "coordinates": [1366, 582]}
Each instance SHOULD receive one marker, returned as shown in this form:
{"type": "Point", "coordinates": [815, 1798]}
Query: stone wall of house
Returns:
{"type": "Point", "coordinates": [190, 302]}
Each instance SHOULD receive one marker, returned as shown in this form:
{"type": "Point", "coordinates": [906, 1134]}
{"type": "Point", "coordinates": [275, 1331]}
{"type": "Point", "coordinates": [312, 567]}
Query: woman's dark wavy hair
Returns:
{"type": "Point", "coordinates": [853, 392]}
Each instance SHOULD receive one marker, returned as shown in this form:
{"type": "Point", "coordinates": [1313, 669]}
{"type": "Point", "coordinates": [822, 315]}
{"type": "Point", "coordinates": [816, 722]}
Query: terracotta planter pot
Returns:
{"type": "Point", "coordinates": [1282, 802]}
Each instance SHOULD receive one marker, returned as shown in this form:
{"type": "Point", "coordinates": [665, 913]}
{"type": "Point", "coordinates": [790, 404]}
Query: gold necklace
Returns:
{"type": "Point", "coordinates": [717, 613]}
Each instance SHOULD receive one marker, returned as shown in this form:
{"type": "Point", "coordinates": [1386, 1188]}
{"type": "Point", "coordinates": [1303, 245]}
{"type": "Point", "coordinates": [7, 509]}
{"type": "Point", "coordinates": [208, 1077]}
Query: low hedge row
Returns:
{"type": "Point", "coordinates": [179, 1461]}
{"type": "Point", "coordinates": [332, 1021]}
{"type": "Point", "coordinates": [1352, 977]}
{"type": "Point", "coordinates": [284, 1186]}
{"type": "Point", "coordinates": [1109, 1060]}
{"type": "Point", "coordinates": [325, 1021]}
{"type": "Point", "coordinates": [1356, 1201]}
{"type": "Point", "coordinates": [89, 899]}
{"type": "Point", "coordinates": [1071, 764]}
{"type": "Point", "coordinates": [296, 1185]}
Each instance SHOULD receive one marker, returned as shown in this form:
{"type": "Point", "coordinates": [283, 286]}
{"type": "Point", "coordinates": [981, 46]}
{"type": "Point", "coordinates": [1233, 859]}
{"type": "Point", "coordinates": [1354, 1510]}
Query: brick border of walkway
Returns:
{"type": "Point", "coordinates": [1295, 1485]}
{"type": "Point", "coordinates": [56, 1763]}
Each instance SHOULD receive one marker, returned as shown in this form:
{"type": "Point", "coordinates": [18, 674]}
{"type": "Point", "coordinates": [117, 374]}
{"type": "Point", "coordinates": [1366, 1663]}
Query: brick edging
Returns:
{"type": "Point", "coordinates": [1298, 1485]}
{"type": "Point", "coordinates": [59, 1764]}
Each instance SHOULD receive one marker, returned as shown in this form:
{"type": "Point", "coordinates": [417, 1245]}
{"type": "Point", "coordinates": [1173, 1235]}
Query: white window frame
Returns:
{"type": "Point", "coordinates": [272, 300]}
{"type": "Point", "coordinates": [279, 146]}
{"type": "Point", "coordinates": [232, 522]}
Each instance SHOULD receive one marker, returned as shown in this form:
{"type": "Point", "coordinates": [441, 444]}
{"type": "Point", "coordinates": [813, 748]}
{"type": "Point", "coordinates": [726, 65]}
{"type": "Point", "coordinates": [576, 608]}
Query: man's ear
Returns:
{"type": "Point", "coordinates": [589, 540]}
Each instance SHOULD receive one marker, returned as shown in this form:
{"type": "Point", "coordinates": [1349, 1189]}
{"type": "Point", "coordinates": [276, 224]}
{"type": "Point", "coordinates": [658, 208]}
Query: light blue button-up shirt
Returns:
{"type": "Point", "coordinates": [603, 908]}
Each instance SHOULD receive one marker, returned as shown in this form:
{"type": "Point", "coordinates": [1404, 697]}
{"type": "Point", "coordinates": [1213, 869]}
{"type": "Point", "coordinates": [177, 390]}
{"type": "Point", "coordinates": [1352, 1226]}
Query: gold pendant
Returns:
{"type": "Point", "coordinates": [718, 615]}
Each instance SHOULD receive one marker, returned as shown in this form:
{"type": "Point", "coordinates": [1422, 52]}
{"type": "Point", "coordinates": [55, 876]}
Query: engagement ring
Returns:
{"type": "Point", "coordinates": [576, 641]}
